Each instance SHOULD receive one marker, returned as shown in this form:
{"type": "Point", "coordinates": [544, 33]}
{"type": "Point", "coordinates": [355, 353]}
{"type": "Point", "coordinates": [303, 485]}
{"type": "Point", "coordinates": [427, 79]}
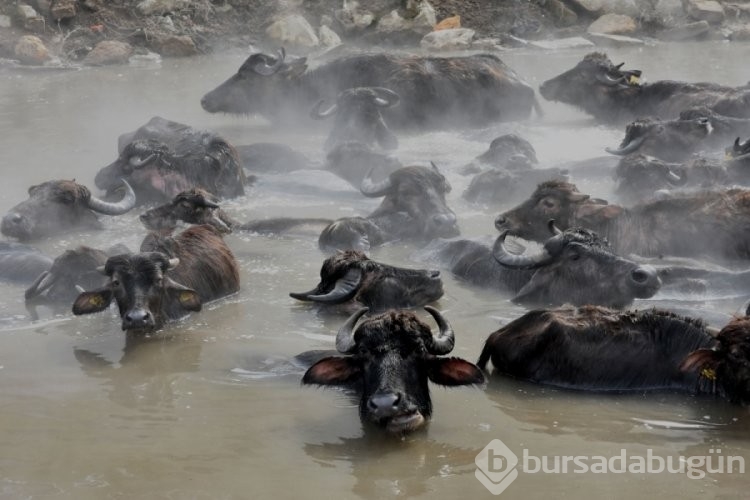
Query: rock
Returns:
{"type": "Point", "coordinates": [30, 19]}
{"type": "Point", "coordinates": [5, 21]}
{"type": "Point", "coordinates": [293, 30]}
{"type": "Point", "coordinates": [174, 46]}
{"type": "Point", "coordinates": [625, 7]}
{"type": "Point", "coordinates": [735, 10]}
{"type": "Point", "coordinates": [352, 17]}
{"type": "Point", "coordinates": [161, 7]}
{"type": "Point", "coordinates": [705, 10]}
{"type": "Point", "coordinates": [31, 50]}
{"type": "Point", "coordinates": [561, 15]}
{"type": "Point", "coordinates": [562, 43]}
{"type": "Point", "coordinates": [393, 22]}
{"type": "Point", "coordinates": [450, 39]}
{"type": "Point", "coordinates": [42, 5]}
{"type": "Point", "coordinates": [63, 9]}
{"type": "Point", "coordinates": [425, 20]}
{"type": "Point", "coordinates": [91, 5]}
{"type": "Point", "coordinates": [26, 12]}
{"type": "Point", "coordinates": [688, 31]}
{"type": "Point", "coordinates": [586, 6]}
{"type": "Point", "coordinates": [668, 11]}
{"type": "Point", "coordinates": [487, 44]}
{"type": "Point", "coordinates": [614, 40]}
{"type": "Point", "coordinates": [448, 23]}
{"type": "Point", "coordinates": [613, 24]}
{"type": "Point", "coordinates": [108, 52]}
{"type": "Point", "coordinates": [328, 37]}
{"type": "Point", "coordinates": [740, 35]}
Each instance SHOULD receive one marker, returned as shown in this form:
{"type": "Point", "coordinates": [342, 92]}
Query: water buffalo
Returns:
{"type": "Point", "coordinates": [435, 92]}
{"type": "Point", "coordinates": [352, 161]}
{"type": "Point", "coordinates": [594, 348]}
{"type": "Point", "coordinates": [163, 158]}
{"type": "Point", "coordinates": [508, 151]}
{"type": "Point", "coordinates": [575, 266]}
{"type": "Point", "coordinates": [498, 187]}
{"type": "Point", "coordinates": [389, 358]}
{"type": "Point", "coordinates": [358, 118]}
{"type": "Point", "coordinates": [350, 277]}
{"type": "Point", "coordinates": [21, 263]}
{"type": "Point", "coordinates": [712, 224]}
{"type": "Point", "coordinates": [413, 209]}
{"type": "Point", "coordinates": [612, 94]}
{"type": "Point", "coordinates": [672, 140]}
{"type": "Point", "coordinates": [59, 206]}
{"type": "Point", "coordinates": [171, 275]}
{"type": "Point", "coordinates": [198, 206]}
{"type": "Point", "coordinates": [70, 272]}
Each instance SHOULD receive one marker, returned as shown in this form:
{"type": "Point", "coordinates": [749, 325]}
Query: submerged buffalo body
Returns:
{"type": "Point", "coordinates": [712, 224]}
{"type": "Point", "coordinates": [612, 94]}
{"type": "Point", "coordinates": [21, 263]}
{"type": "Point", "coordinates": [350, 277]}
{"type": "Point", "coordinates": [575, 266]}
{"type": "Point", "coordinates": [163, 158]}
{"type": "Point", "coordinates": [171, 276]}
{"type": "Point", "coordinates": [58, 206]}
{"type": "Point", "coordinates": [389, 358]}
{"type": "Point", "coordinates": [593, 348]}
{"type": "Point", "coordinates": [413, 209]}
{"type": "Point", "coordinates": [437, 92]}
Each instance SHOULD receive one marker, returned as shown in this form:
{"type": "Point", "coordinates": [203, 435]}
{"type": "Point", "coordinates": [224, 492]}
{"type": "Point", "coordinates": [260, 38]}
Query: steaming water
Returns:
{"type": "Point", "coordinates": [212, 406]}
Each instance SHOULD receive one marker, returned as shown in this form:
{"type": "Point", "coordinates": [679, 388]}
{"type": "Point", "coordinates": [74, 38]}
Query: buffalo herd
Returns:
{"type": "Point", "coordinates": [680, 178]}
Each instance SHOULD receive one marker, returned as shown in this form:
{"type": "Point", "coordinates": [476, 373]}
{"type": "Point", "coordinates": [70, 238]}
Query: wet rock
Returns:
{"type": "Point", "coordinates": [690, 31]}
{"type": "Point", "coordinates": [293, 30]}
{"type": "Point", "coordinates": [562, 43]}
{"type": "Point", "coordinates": [613, 24]}
{"type": "Point", "coordinates": [449, 23]}
{"type": "Point", "coordinates": [487, 44]}
{"type": "Point", "coordinates": [614, 40]}
{"type": "Point", "coordinates": [590, 7]}
{"type": "Point", "coordinates": [393, 23]}
{"type": "Point", "coordinates": [450, 39]}
{"type": "Point", "coordinates": [561, 15]}
{"type": "Point", "coordinates": [352, 17]}
{"type": "Point", "coordinates": [625, 7]}
{"type": "Point", "coordinates": [30, 19]}
{"type": "Point", "coordinates": [741, 34]}
{"type": "Point", "coordinates": [42, 6]}
{"type": "Point", "coordinates": [174, 46]}
{"type": "Point", "coordinates": [80, 42]}
{"type": "Point", "coordinates": [31, 50]}
{"type": "Point", "coordinates": [5, 21]}
{"type": "Point", "coordinates": [108, 52]}
{"type": "Point", "coordinates": [161, 7]}
{"type": "Point", "coordinates": [328, 37]}
{"type": "Point", "coordinates": [666, 12]}
{"type": "Point", "coordinates": [91, 5]}
{"type": "Point", "coordinates": [706, 10]}
{"type": "Point", "coordinates": [63, 9]}
{"type": "Point", "coordinates": [737, 10]}
{"type": "Point", "coordinates": [426, 19]}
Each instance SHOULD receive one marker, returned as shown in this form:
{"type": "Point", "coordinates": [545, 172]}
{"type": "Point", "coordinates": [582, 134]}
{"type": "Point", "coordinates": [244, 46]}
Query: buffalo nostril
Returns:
{"type": "Point", "coordinates": [500, 222]}
{"type": "Point", "coordinates": [640, 275]}
{"type": "Point", "coordinates": [15, 218]}
{"type": "Point", "coordinates": [434, 274]}
{"type": "Point", "coordinates": [384, 405]}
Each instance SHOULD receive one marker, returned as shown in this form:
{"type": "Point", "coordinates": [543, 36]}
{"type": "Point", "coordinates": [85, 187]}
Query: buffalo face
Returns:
{"type": "Point", "coordinates": [56, 206]}
{"type": "Point", "coordinates": [195, 206]}
{"type": "Point", "coordinates": [672, 140]}
{"type": "Point", "coordinates": [142, 290]}
{"type": "Point", "coordinates": [350, 275]}
{"type": "Point", "coordinates": [391, 357]}
{"type": "Point", "coordinates": [638, 176]}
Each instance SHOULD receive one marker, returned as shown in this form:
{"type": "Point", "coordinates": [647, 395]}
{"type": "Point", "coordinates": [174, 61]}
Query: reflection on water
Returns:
{"type": "Point", "coordinates": [212, 406]}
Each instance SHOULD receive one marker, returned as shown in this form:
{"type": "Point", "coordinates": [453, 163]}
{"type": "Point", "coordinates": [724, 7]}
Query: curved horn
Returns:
{"type": "Point", "coordinates": [619, 65]}
{"type": "Point", "coordinates": [674, 179]}
{"type": "Point", "coordinates": [137, 162]}
{"type": "Point", "coordinates": [343, 290]}
{"type": "Point", "coordinates": [442, 343]}
{"type": "Point", "coordinates": [504, 258]}
{"type": "Point", "coordinates": [628, 148]}
{"type": "Point", "coordinates": [345, 336]}
{"type": "Point", "coordinates": [173, 262]}
{"type": "Point", "coordinates": [317, 114]}
{"type": "Point", "coordinates": [386, 97]}
{"type": "Point", "coordinates": [266, 70]}
{"type": "Point", "coordinates": [375, 189]}
{"type": "Point", "coordinates": [124, 205]}
{"type": "Point", "coordinates": [609, 81]}
{"type": "Point", "coordinates": [553, 229]}
{"type": "Point", "coordinates": [42, 283]}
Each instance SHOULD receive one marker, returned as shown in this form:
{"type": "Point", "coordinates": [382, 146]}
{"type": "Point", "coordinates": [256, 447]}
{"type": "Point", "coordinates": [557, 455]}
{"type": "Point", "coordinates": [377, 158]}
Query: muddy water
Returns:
{"type": "Point", "coordinates": [212, 408]}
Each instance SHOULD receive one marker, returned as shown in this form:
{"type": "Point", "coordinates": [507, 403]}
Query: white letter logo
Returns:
{"type": "Point", "coordinates": [496, 467]}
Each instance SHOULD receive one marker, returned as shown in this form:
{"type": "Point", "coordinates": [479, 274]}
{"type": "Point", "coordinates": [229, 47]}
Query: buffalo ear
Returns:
{"type": "Point", "coordinates": [187, 297]}
{"type": "Point", "coordinates": [93, 301]}
{"type": "Point", "coordinates": [454, 371]}
{"type": "Point", "coordinates": [335, 370]}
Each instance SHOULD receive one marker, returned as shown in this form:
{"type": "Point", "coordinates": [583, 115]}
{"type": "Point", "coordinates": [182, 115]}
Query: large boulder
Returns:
{"type": "Point", "coordinates": [29, 18]}
{"type": "Point", "coordinates": [293, 30]}
{"type": "Point", "coordinates": [31, 50]}
{"type": "Point", "coordinates": [690, 31]}
{"type": "Point", "coordinates": [328, 38]}
{"type": "Point", "coordinates": [352, 17]}
{"type": "Point", "coordinates": [108, 52]}
{"type": "Point", "coordinates": [174, 46]}
{"type": "Point", "coordinates": [63, 9]}
{"type": "Point", "coordinates": [613, 24]}
{"type": "Point", "coordinates": [706, 10]}
{"type": "Point", "coordinates": [450, 39]}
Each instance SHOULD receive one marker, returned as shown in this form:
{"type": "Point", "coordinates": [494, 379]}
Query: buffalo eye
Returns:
{"type": "Point", "coordinates": [115, 283]}
{"type": "Point", "coordinates": [574, 256]}
{"type": "Point", "coordinates": [548, 203]}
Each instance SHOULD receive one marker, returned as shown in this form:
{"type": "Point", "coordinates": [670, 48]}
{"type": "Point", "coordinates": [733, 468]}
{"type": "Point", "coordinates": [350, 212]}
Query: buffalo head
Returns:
{"type": "Point", "coordinates": [672, 140]}
{"type": "Point", "coordinates": [358, 118]}
{"type": "Point", "coordinates": [57, 206]}
{"type": "Point", "coordinates": [639, 176]}
{"type": "Point", "coordinates": [146, 296]}
{"type": "Point", "coordinates": [195, 206]}
{"type": "Point", "coordinates": [392, 356]}
{"type": "Point", "coordinates": [351, 276]}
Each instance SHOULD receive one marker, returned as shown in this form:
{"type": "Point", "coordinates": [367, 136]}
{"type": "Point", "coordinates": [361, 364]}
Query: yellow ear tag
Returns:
{"type": "Point", "coordinates": [634, 80]}
{"type": "Point", "coordinates": [186, 296]}
{"type": "Point", "coordinates": [708, 373]}
{"type": "Point", "coordinates": [96, 300]}
{"type": "Point", "coordinates": [727, 156]}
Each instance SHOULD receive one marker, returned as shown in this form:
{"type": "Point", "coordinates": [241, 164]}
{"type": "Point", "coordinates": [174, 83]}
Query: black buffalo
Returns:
{"type": "Point", "coordinates": [505, 150]}
{"type": "Point", "coordinates": [171, 275]}
{"type": "Point", "coordinates": [413, 209]}
{"type": "Point", "coordinates": [58, 206]}
{"type": "Point", "coordinates": [673, 140]}
{"type": "Point", "coordinates": [358, 118]}
{"type": "Point", "coordinates": [437, 92]}
{"type": "Point", "coordinates": [21, 263]}
{"type": "Point", "coordinates": [594, 348]}
{"type": "Point", "coordinates": [575, 266]}
{"type": "Point", "coordinates": [389, 358]}
{"type": "Point", "coordinates": [612, 94]}
{"type": "Point", "coordinates": [350, 277]}
{"type": "Point", "coordinates": [711, 224]}
{"type": "Point", "coordinates": [163, 158]}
